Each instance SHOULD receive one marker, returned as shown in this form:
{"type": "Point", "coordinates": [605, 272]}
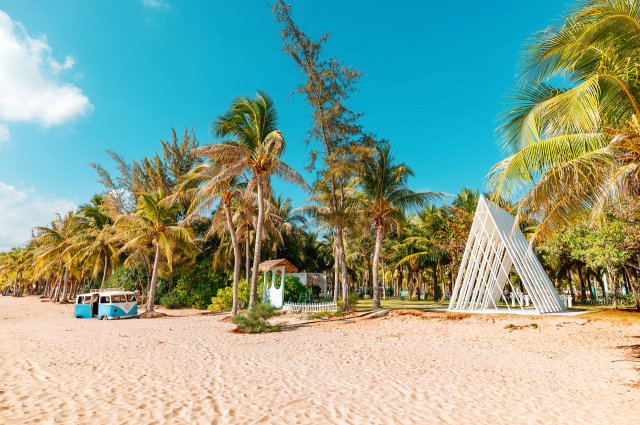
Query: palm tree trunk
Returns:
{"type": "Point", "coordinates": [154, 280]}
{"type": "Point", "coordinates": [64, 299]}
{"type": "Point", "coordinates": [258, 245]}
{"type": "Point", "coordinates": [342, 257]}
{"type": "Point", "coordinates": [246, 256]}
{"type": "Point", "coordinates": [612, 282]}
{"type": "Point", "coordinates": [376, 260]}
{"type": "Point", "coordinates": [436, 288]}
{"type": "Point", "coordinates": [236, 256]}
{"type": "Point", "coordinates": [104, 272]}
{"type": "Point", "coordinates": [336, 275]}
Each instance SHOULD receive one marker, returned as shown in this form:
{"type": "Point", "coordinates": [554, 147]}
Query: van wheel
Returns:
{"type": "Point", "coordinates": [103, 318]}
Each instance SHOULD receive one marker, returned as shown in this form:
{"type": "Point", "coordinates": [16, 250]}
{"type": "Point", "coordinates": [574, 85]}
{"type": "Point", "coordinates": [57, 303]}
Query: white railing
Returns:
{"type": "Point", "coordinates": [310, 307]}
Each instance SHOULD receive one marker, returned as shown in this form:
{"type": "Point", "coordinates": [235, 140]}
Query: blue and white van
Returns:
{"type": "Point", "coordinates": [106, 304]}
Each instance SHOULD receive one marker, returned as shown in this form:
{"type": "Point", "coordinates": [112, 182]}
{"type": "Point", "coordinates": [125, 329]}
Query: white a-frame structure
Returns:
{"type": "Point", "coordinates": [493, 247]}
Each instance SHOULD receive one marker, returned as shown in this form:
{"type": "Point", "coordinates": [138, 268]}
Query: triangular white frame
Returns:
{"type": "Point", "coordinates": [494, 245]}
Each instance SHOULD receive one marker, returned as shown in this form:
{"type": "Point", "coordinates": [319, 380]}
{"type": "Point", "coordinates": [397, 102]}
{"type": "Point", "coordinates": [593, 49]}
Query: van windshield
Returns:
{"type": "Point", "coordinates": [131, 297]}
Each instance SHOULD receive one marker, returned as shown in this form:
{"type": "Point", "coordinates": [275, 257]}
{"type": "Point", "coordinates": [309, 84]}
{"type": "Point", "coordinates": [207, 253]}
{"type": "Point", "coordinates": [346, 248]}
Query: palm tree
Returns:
{"type": "Point", "coordinates": [466, 200]}
{"type": "Point", "coordinates": [94, 241]}
{"type": "Point", "coordinates": [573, 150]}
{"type": "Point", "coordinates": [382, 194]}
{"type": "Point", "coordinates": [427, 243]}
{"type": "Point", "coordinates": [57, 247]}
{"type": "Point", "coordinates": [155, 224]}
{"type": "Point", "coordinates": [203, 188]}
{"type": "Point", "coordinates": [253, 145]}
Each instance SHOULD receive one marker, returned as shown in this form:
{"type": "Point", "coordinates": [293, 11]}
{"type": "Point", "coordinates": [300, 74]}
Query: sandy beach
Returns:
{"type": "Point", "coordinates": [394, 370]}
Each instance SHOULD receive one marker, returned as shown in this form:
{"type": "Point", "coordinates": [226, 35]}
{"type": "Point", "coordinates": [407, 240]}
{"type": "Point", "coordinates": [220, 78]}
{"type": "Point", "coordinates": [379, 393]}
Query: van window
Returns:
{"type": "Point", "coordinates": [131, 297]}
{"type": "Point", "coordinates": [86, 299]}
{"type": "Point", "coordinates": [104, 300]}
{"type": "Point", "coordinates": [80, 300]}
{"type": "Point", "coordinates": [119, 298]}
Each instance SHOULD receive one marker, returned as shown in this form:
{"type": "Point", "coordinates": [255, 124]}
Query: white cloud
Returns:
{"type": "Point", "coordinates": [23, 209]}
{"type": "Point", "coordinates": [30, 89]}
{"type": "Point", "coordinates": [4, 133]}
{"type": "Point", "coordinates": [156, 4]}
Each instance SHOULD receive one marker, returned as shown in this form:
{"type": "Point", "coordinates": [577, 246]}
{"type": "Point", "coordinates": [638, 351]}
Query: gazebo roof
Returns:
{"type": "Point", "coordinates": [269, 264]}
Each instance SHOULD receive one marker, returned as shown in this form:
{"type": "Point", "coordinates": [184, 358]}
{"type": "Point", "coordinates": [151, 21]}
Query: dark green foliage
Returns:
{"type": "Point", "coordinates": [129, 279]}
{"type": "Point", "coordinates": [194, 288]}
{"type": "Point", "coordinates": [256, 319]}
{"type": "Point", "coordinates": [171, 300]}
{"type": "Point", "coordinates": [293, 289]}
{"type": "Point", "coordinates": [198, 285]}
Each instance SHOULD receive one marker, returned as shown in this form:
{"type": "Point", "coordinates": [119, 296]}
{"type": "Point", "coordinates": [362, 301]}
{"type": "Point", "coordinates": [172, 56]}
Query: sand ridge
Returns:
{"type": "Point", "coordinates": [396, 370]}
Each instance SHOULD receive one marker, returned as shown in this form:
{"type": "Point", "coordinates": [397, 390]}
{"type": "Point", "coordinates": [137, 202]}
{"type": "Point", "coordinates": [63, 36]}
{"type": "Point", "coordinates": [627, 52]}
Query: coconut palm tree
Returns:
{"type": "Point", "coordinates": [203, 189]}
{"type": "Point", "coordinates": [573, 150]}
{"type": "Point", "coordinates": [252, 144]}
{"type": "Point", "coordinates": [155, 224]}
{"type": "Point", "coordinates": [57, 247]}
{"type": "Point", "coordinates": [466, 200]}
{"type": "Point", "coordinates": [383, 196]}
{"type": "Point", "coordinates": [94, 243]}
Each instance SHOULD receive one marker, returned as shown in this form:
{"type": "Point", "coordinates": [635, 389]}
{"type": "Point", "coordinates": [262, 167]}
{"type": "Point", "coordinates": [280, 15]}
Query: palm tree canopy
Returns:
{"type": "Point", "coordinates": [565, 156]}
{"type": "Point", "coordinates": [381, 188]}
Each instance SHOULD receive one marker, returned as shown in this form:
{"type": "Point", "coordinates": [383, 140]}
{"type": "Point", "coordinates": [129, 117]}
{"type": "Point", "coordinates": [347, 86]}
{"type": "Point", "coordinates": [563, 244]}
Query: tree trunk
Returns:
{"type": "Point", "coordinates": [247, 260]}
{"type": "Point", "coordinates": [236, 256]}
{"type": "Point", "coordinates": [154, 280]}
{"type": "Point", "coordinates": [104, 272]}
{"type": "Point", "coordinates": [374, 272]}
{"type": "Point", "coordinates": [258, 245]}
{"type": "Point", "coordinates": [583, 288]}
{"type": "Point", "coordinates": [336, 275]}
{"type": "Point", "coordinates": [64, 299]}
{"type": "Point", "coordinates": [342, 257]}
{"type": "Point", "coordinates": [612, 281]}
{"type": "Point", "coordinates": [384, 282]}
{"type": "Point", "coordinates": [55, 295]}
{"type": "Point", "coordinates": [437, 294]}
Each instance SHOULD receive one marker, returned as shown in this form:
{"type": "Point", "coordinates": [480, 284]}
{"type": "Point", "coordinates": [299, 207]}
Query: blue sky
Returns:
{"type": "Point", "coordinates": [79, 77]}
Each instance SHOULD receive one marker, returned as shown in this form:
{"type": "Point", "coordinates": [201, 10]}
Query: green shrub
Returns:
{"type": "Point", "coordinates": [224, 297]}
{"type": "Point", "coordinates": [294, 289]}
{"type": "Point", "coordinates": [196, 287]}
{"type": "Point", "coordinates": [171, 300]}
{"type": "Point", "coordinates": [256, 319]}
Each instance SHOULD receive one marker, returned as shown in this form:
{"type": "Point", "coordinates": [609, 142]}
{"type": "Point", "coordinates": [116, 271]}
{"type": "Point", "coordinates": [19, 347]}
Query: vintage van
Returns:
{"type": "Point", "coordinates": [106, 304]}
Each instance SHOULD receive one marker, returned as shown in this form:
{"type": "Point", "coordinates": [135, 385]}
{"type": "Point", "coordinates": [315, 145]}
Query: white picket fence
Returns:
{"type": "Point", "coordinates": [310, 307]}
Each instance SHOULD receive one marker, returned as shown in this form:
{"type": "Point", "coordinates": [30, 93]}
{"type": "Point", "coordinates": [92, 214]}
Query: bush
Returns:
{"type": "Point", "coordinates": [224, 297]}
{"type": "Point", "coordinates": [198, 286]}
{"type": "Point", "coordinates": [256, 319]}
{"type": "Point", "coordinates": [171, 300]}
{"type": "Point", "coordinates": [128, 278]}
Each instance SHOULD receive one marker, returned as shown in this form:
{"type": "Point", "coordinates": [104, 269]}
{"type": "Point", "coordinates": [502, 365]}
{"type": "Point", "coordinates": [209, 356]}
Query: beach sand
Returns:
{"type": "Point", "coordinates": [395, 370]}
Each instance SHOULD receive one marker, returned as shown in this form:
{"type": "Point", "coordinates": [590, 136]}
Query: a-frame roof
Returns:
{"type": "Point", "coordinates": [282, 262]}
{"type": "Point", "coordinates": [496, 244]}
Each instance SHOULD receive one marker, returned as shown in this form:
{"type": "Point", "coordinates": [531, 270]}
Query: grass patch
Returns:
{"type": "Point", "coordinates": [399, 304]}
{"type": "Point", "coordinates": [326, 315]}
